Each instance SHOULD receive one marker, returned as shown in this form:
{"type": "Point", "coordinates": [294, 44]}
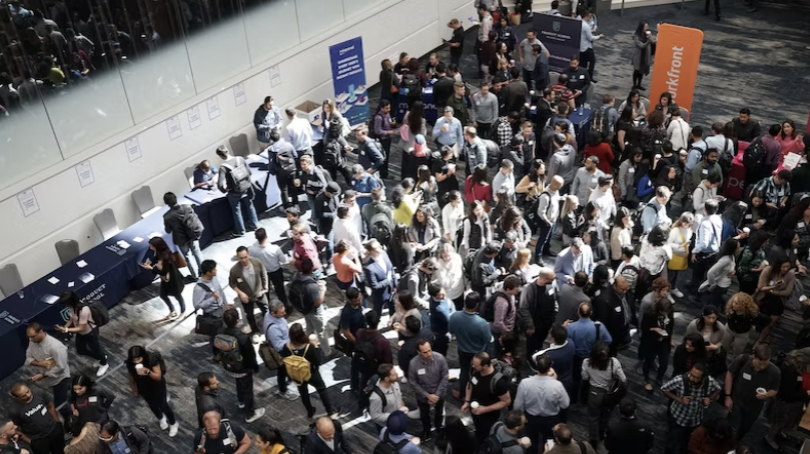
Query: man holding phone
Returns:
{"type": "Point", "coordinates": [690, 393]}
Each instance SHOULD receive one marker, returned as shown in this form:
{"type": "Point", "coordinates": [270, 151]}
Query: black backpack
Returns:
{"type": "Point", "coordinates": [600, 121]}
{"type": "Point", "coordinates": [493, 445]}
{"type": "Point", "coordinates": [412, 84]}
{"type": "Point", "coordinates": [488, 310]}
{"type": "Point", "coordinates": [285, 162]}
{"type": "Point", "coordinates": [531, 214]}
{"type": "Point", "coordinates": [239, 176]}
{"type": "Point", "coordinates": [229, 353]}
{"type": "Point", "coordinates": [364, 354]}
{"type": "Point", "coordinates": [638, 228]}
{"type": "Point", "coordinates": [468, 264]}
{"type": "Point", "coordinates": [369, 388]}
{"type": "Point", "coordinates": [101, 316]}
{"type": "Point", "coordinates": [493, 152]}
{"type": "Point", "coordinates": [332, 153]}
{"type": "Point", "coordinates": [386, 446]}
{"type": "Point", "coordinates": [296, 294]}
{"type": "Point", "coordinates": [131, 437]}
{"type": "Point", "coordinates": [754, 155]}
{"type": "Point", "coordinates": [381, 228]}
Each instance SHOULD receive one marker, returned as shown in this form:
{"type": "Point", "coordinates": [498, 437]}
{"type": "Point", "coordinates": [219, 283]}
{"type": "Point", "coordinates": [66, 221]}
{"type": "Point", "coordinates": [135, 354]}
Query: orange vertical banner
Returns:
{"type": "Point", "coordinates": [677, 57]}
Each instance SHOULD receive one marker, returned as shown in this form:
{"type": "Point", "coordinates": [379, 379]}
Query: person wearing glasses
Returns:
{"type": "Point", "coordinates": [124, 440]}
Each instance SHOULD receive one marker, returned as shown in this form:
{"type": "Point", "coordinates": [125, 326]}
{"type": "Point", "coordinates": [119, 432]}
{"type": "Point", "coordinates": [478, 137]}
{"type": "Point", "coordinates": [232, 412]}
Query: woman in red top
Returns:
{"type": "Point", "coordinates": [789, 138]}
{"type": "Point", "coordinates": [346, 264]}
{"type": "Point", "coordinates": [476, 188]}
{"type": "Point", "coordinates": [596, 147]}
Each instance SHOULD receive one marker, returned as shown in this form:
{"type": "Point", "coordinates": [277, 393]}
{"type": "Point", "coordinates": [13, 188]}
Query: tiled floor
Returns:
{"type": "Point", "coordinates": [757, 61]}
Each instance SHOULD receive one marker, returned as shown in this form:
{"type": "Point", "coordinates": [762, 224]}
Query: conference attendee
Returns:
{"type": "Point", "coordinates": [475, 152]}
{"type": "Point", "coordinates": [545, 111]}
{"type": "Point", "coordinates": [386, 395]}
{"type": "Point", "coordinates": [370, 157]}
{"type": "Point", "coordinates": [248, 278]}
{"type": "Point", "coordinates": [277, 333]}
{"type": "Point", "coordinates": [612, 308]}
{"type": "Point", "coordinates": [206, 398]}
{"type": "Point", "coordinates": [575, 258]}
{"type": "Point", "coordinates": [643, 42]}
{"type": "Point", "coordinates": [383, 130]}
{"type": "Point", "coordinates": [429, 380]}
{"type": "Point", "coordinates": [515, 93]}
{"type": "Point", "coordinates": [243, 374]}
{"type": "Point", "coordinates": [37, 423]}
{"type": "Point", "coordinates": [542, 397]}
{"type": "Point", "coordinates": [82, 323]}
{"type": "Point", "coordinates": [788, 405]}
{"type": "Point", "coordinates": [186, 229]}
{"type": "Point", "coordinates": [484, 111]}
{"type": "Point", "coordinates": [441, 308]}
{"type": "Point", "coordinates": [448, 130]}
{"type": "Point", "coordinates": [564, 442]}
{"type": "Point", "coordinates": [234, 180]}
{"type": "Point", "coordinates": [629, 434]}
{"type": "Point", "coordinates": [562, 353]}
{"type": "Point", "coordinates": [146, 380]}
{"type": "Point", "coordinates": [746, 128]}
{"type": "Point", "coordinates": [267, 120]}
{"type": "Point", "coordinates": [394, 436]}
{"type": "Point", "coordinates": [770, 161]}
{"type": "Point", "coordinates": [707, 243]}
{"type": "Point", "coordinates": [220, 436]}
{"type": "Point", "coordinates": [300, 345]}
{"type": "Point", "coordinates": [335, 147]}
{"type": "Point", "coordinates": [127, 439]}
{"type": "Point", "coordinates": [273, 259]}
{"type": "Point", "coordinates": [562, 161]}
{"type": "Point", "coordinates": [506, 433]}
{"type": "Point", "coordinates": [747, 377]}
{"type": "Point", "coordinates": [540, 77]}
{"type": "Point", "coordinates": [379, 274]}
{"type": "Point", "coordinates": [88, 403]}
{"type": "Point", "coordinates": [678, 132]}
{"type": "Point", "coordinates": [585, 333]}
{"type": "Point", "coordinates": [458, 102]}
{"type": "Point", "coordinates": [49, 359]}
{"type": "Point", "coordinates": [268, 439]}
{"type": "Point", "coordinates": [345, 230]}
{"type": "Point", "coordinates": [548, 211]}
{"type": "Point", "coordinates": [327, 438]}
{"type": "Point", "coordinates": [313, 180]}
{"type": "Point", "coordinates": [724, 145]}
{"type": "Point", "coordinates": [489, 392]}
{"type": "Point", "coordinates": [203, 176]}
{"type": "Point", "coordinates": [579, 79]}
{"type": "Point", "coordinates": [298, 133]}
{"type": "Point", "coordinates": [456, 42]}
{"type": "Point", "coordinates": [586, 178]}
{"type": "Point", "coordinates": [310, 300]}
{"type": "Point", "coordinates": [655, 213]}
{"type": "Point", "coordinates": [304, 247]}
{"type": "Point", "coordinates": [776, 189]}
{"type": "Point", "coordinates": [538, 309]}
{"type": "Point", "coordinates": [690, 394]}
{"type": "Point", "coordinates": [601, 371]}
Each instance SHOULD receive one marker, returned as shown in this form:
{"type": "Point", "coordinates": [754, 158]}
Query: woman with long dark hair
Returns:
{"type": "Point", "coordinates": [642, 53]}
{"type": "Point", "coordinates": [88, 403]}
{"type": "Point", "coordinates": [751, 262]}
{"type": "Point", "coordinates": [713, 332]}
{"type": "Point", "coordinates": [300, 345]}
{"type": "Point", "coordinates": [774, 287]}
{"type": "Point", "coordinates": [87, 334]}
{"type": "Point", "coordinates": [732, 218]}
{"type": "Point", "coordinates": [512, 221]}
{"type": "Point", "coordinates": [146, 379]}
{"type": "Point", "coordinates": [477, 229]}
{"type": "Point", "coordinates": [504, 202]}
{"type": "Point", "coordinates": [424, 233]}
{"type": "Point", "coordinates": [638, 111]}
{"type": "Point", "coordinates": [718, 278]}
{"type": "Point", "coordinates": [404, 202]}
{"type": "Point", "coordinates": [269, 440]}
{"type": "Point", "coordinates": [444, 171]}
{"type": "Point", "coordinates": [455, 438]}
{"type": "Point", "coordinates": [691, 351]}
{"type": "Point", "coordinates": [401, 249]}
{"type": "Point", "coordinates": [532, 184]}
{"type": "Point", "coordinates": [426, 183]}
{"type": "Point", "coordinates": [628, 170]}
{"type": "Point", "coordinates": [413, 124]}
{"type": "Point", "coordinates": [621, 235]}
{"type": "Point", "coordinates": [600, 370]}
{"type": "Point", "coordinates": [789, 138]}
{"type": "Point", "coordinates": [758, 213]}
{"type": "Point", "coordinates": [741, 313]}
{"type": "Point", "coordinates": [477, 187]}
{"type": "Point", "coordinates": [798, 220]}
{"type": "Point", "coordinates": [656, 333]}
{"type": "Point", "coordinates": [171, 281]}
{"type": "Point", "coordinates": [389, 84]}
{"type": "Point", "coordinates": [666, 105]}
{"type": "Point", "coordinates": [654, 134]}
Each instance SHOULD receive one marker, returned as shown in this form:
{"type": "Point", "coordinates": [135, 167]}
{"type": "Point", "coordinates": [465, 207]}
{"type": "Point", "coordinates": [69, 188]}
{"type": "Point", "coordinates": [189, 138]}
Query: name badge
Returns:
{"type": "Point", "coordinates": [618, 309]}
{"type": "Point", "coordinates": [631, 170]}
{"type": "Point", "coordinates": [705, 172]}
{"type": "Point", "coordinates": [421, 372]}
{"type": "Point", "coordinates": [226, 442]}
{"type": "Point", "coordinates": [239, 280]}
{"type": "Point", "coordinates": [746, 376]}
{"type": "Point", "coordinates": [749, 216]}
{"type": "Point", "coordinates": [474, 381]}
{"type": "Point", "coordinates": [363, 153]}
{"type": "Point", "coordinates": [127, 449]}
{"type": "Point", "coordinates": [597, 293]}
{"type": "Point", "coordinates": [92, 399]}
{"type": "Point", "coordinates": [531, 143]}
{"type": "Point", "coordinates": [799, 379]}
{"type": "Point", "coordinates": [582, 76]}
{"type": "Point", "coordinates": [800, 225]}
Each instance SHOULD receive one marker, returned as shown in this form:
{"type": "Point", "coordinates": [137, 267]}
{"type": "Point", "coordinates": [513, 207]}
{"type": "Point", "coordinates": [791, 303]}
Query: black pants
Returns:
{"type": "Point", "coordinates": [483, 424]}
{"type": "Point", "coordinates": [54, 443]}
{"type": "Point", "coordinates": [700, 267]}
{"type": "Point", "coordinates": [424, 414]}
{"type": "Point", "coordinates": [484, 130]}
{"type": "Point", "coordinates": [386, 145]}
{"type": "Point", "coordinates": [244, 393]}
{"type": "Point", "coordinates": [164, 295]}
{"type": "Point", "coordinates": [677, 437]}
{"type": "Point", "coordinates": [317, 382]}
{"type": "Point", "coordinates": [89, 345]}
{"type": "Point", "coordinates": [61, 391]}
{"type": "Point", "coordinates": [160, 407]}
{"type": "Point", "coordinates": [577, 379]}
{"type": "Point", "coordinates": [465, 362]}
{"type": "Point", "coordinates": [277, 278]}
{"type": "Point", "coordinates": [716, 8]}
{"type": "Point", "coordinates": [534, 343]}
{"type": "Point", "coordinates": [289, 192]}
{"type": "Point", "coordinates": [539, 429]}
{"type": "Point", "coordinates": [251, 317]}
{"type": "Point", "coordinates": [440, 343]}
{"type": "Point", "coordinates": [343, 169]}
{"type": "Point", "coordinates": [662, 353]}
{"type": "Point", "coordinates": [588, 60]}
{"type": "Point", "coordinates": [638, 77]}
{"type": "Point", "coordinates": [743, 418]}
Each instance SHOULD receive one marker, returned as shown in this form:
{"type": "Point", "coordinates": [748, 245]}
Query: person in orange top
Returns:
{"type": "Point", "coordinates": [789, 138]}
{"type": "Point", "coordinates": [346, 265]}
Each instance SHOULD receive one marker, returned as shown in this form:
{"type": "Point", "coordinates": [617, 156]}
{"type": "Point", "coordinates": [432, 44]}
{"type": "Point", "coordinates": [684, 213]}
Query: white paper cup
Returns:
{"type": "Point", "coordinates": [474, 405]}
{"type": "Point", "coordinates": [526, 441]}
{"type": "Point", "coordinates": [416, 441]}
{"type": "Point", "coordinates": [746, 230]}
{"type": "Point", "coordinates": [658, 156]}
{"type": "Point", "coordinates": [802, 298]}
{"type": "Point", "coordinates": [761, 391]}
{"type": "Point", "coordinates": [138, 366]}
{"type": "Point", "coordinates": [401, 343]}
{"type": "Point", "coordinates": [313, 338]}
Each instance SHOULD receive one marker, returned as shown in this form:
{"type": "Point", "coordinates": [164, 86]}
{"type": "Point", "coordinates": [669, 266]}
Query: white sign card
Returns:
{"type": "Point", "coordinates": [791, 161]}
{"type": "Point", "coordinates": [85, 173]}
{"type": "Point", "coordinates": [173, 126]}
{"type": "Point", "coordinates": [213, 108]}
{"type": "Point", "coordinates": [194, 120]}
{"type": "Point", "coordinates": [275, 76]}
{"type": "Point", "coordinates": [28, 202]}
{"type": "Point", "coordinates": [133, 148]}
{"type": "Point", "coordinates": [239, 96]}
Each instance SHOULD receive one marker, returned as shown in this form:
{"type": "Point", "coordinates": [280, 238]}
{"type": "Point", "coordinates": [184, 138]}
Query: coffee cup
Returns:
{"type": "Point", "coordinates": [761, 391]}
{"type": "Point", "coordinates": [746, 230]}
{"type": "Point", "coordinates": [313, 338]}
{"type": "Point", "coordinates": [475, 405]}
{"type": "Point", "coordinates": [658, 156]}
{"type": "Point", "coordinates": [401, 343]}
{"type": "Point", "coordinates": [525, 442]}
{"type": "Point", "coordinates": [416, 441]}
{"type": "Point", "coordinates": [138, 366]}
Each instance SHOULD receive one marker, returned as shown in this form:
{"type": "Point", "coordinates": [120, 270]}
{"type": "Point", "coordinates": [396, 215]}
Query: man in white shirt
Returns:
{"type": "Point", "coordinates": [586, 55]}
{"type": "Point", "coordinates": [483, 33]}
{"type": "Point", "coordinates": [707, 243]}
{"type": "Point", "coordinates": [273, 259]}
{"type": "Point", "coordinates": [603, 198]}
{"type": "Point", "coordinates": [299, 133]}
{"type": "Point", "coordinates": [678, 132]}
{"type": "Point", "coordinates": [723, 145]}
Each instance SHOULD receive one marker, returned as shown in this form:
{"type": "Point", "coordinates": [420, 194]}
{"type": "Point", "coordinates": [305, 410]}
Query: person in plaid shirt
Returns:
{"type": "Point", "coordinates": [505, 132]}
{"type": "Point", "coordinates": [563, 94]}
{"type": "Point", "coordinates": [691, 393]}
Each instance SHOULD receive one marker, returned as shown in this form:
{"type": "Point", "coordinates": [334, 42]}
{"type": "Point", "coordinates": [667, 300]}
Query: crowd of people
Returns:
{"type": "Point", "coordinates": [533, 251]}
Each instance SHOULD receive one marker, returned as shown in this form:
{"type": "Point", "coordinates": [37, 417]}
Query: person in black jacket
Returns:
{"type": "Point", "coordinates": [540, 72]}
{"type": "Point", "coordinates": [545, 111]}
{"type": "Point", "coordinates": [244, 380]}
{"type": "Point", "coordinates": [136, 441]}
{"type": "Point", "coordinates": [186, 229]}
{"type": "Point", "coordinates": [579, 81]}
{"type": "Point", "coordinates": [312, 180]}
{"type": "Point", "coordinates": [628, 434]}
{"type": "Point", "coordinates": [538, 309]}
{"type": "Point", "coordinates": [205, 396]}
{"type": "Point", "coordinates": [613, 310]}
{"type": "Point", "coordinates": [484, 271]}
{"type": "Point", "coordinates": [443, 88]}
{"type": "Point", "coordinates": [326, 205]}
{"type": "Point", "coordinates": [328, 431]}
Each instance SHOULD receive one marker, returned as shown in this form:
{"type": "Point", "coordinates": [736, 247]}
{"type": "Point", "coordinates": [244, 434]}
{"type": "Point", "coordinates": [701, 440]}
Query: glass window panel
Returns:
{"type": "Point", "coordinates": [316, 16]}
{"type": "Point", "coordinates": [355, 7]}
{"type": "Point", "coordinates": [271, 28]}
{"type": "Point", "coordinates": [26, 139]}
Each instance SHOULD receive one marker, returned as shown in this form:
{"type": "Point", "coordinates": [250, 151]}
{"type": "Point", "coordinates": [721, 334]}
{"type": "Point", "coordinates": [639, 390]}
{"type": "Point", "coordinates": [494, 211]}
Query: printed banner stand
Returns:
{"type": "Point", "coordinates": [561, 36]}
{"type": "Point", "coordinates": [677, 57]}
{"type": "Point", "coordinates": [349, 79]}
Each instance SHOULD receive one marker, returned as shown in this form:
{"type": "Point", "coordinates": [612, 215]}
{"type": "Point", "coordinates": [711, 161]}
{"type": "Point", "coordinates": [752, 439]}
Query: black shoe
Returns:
{"type": "Point", "coordinates": [752, 10]}
{"type": "Point", "coordinates": [641, 88]}
{"type": "Point", "coordinates": [594, 81]}
{"type": "Point", "coordinates": [550, 254]}
{"type": "Point", "coordinates": [426, 435]}
{"type": "Point", "coordinates": [236, 235]}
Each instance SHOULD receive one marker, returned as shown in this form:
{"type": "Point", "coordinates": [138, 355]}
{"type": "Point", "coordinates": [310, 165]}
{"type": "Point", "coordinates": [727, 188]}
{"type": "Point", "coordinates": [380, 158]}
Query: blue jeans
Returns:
{"type": "Point", "coordinates": [240, 201]}
{"type": "Point", "coordinates": [188, 250]}
{"type": "Point", "coordinates": [545, 232]}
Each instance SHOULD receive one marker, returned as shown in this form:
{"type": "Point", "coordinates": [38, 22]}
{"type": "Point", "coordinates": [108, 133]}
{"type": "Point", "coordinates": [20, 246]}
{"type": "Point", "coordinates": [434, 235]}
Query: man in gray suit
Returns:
{"type": "Point", "coordinates": [248, 278]}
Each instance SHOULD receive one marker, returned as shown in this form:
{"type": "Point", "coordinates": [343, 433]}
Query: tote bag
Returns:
{"type": "Point", "coordinates": [679, 262]}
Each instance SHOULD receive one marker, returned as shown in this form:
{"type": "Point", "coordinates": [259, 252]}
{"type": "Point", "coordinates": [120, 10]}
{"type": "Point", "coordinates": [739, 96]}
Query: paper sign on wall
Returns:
{"type": "Point", "coordinates": [173, 125]}
{"type": "Point", "coordinates": [133, 148]}
{"type": "Point", "coordinates": [28, 202]}
{"type": "Point", "coordinates": [85, 173]}
{"type": "Point", "coordinates": [194, 120]}
{"type": "Point", "coordinates": [275, 76]}
{"type": "Point", "coordinates": [239, 96]}
{"type": "Point", "coordinates": [213, 108]}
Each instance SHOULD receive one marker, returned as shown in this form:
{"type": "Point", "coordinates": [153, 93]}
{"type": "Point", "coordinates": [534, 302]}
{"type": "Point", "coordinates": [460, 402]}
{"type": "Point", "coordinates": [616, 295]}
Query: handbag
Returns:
{"type": "Point", "coordinates": [272, 359]}
{"type": "Point", "coordinates": [207, 324]}
{"type": "Point", "coordinates": [178, 260]}
{"type": "Point", "coordinates": [679, 262]}
{"type": "Point", "coordinates": [616, 390]}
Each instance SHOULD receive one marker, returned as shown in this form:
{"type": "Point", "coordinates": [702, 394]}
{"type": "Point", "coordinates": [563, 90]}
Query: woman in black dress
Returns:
{"type": "Point", "coordinates": [146, 379]}
{"type": "Point", "coordinates": [300, 345]}
{"type": "Point", "coordinates": [88, 403]}
{"type": "Point", "coordinates": [171, 281]}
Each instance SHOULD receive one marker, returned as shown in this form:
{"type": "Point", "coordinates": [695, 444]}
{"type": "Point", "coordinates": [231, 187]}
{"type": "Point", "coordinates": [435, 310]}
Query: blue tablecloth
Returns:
{"type": "Point", "coordinates": [427, 98]}
{"type": "Point", "coordinates": [582, 124]}
{"type": "Point", "coordinates": [111, 272]}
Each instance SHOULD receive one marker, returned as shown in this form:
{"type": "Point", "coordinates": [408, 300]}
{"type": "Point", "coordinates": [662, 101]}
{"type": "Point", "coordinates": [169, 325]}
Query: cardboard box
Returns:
{"type": "Point", "coordinates": [311, 111]}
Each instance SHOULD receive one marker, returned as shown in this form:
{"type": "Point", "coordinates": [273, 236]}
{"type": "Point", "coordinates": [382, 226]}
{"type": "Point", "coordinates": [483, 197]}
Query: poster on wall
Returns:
{"type": "Point", "coordinates": [349, 79]}
{"type": "Point", "coordinates": [28, 202]}
{"type": "Point", "coordinates": [561, 36]}
{"type": "Point", "coordinates": [133, 148]}
{"type": "Point", "coordinates": [85, 173]}
{"type": "Point", "coordinates": [677, 56]}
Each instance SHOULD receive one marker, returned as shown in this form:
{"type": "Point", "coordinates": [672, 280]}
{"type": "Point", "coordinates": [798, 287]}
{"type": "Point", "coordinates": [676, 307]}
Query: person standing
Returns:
{"type": "Point", "coordinates": [273, 259]}
{"type": "Point", "coordinates": [716, 9]}
{"type": "Point", "coordinates": [472, 335]}
{"type": "Point", "coordinates": [458, 102]}
{"type": "Point", "coordinates": [303, 347]}
{"type": "Point", "coordinates": [585, 333]}
{"type": "Point", "coordinates": [242, 371]}
{"type": "Point", "coordinates": [351, 321]}
{"type": "Point", "coordinates": [601, 371]}
{"type": "Point", "coordinates": [309, 298]}
{"type": "Point", "coordinates": [441, 308]}
{"type": "Point", "coordinates": [298, 133]}
{"type": "Point", "coordinates": [125, 438]}
{"type": "Point", "coordinates": [82, 323]}
{"type": "Point", "coordinates": [540, 75]}
{"type": "Point", "coordinates": [538, 309]}
{"type": "Point", "coordinates": [707, 243]}
{"type": "Point", "coordinates": [208, 295]}
{"type": "Point", "coordinates": [267, 121]}
{"type": "Point", "coordinates": [248, 278]}
{"type": "Point", "coordinates": [443, 87]}
{"type": "Point", "coordinates": [386, 395]}
{"type": "Point", "coordinates": [50, 357]}
{"type": "Point", "coordinates": [747, 377]}
{"type": "Point", "coordinates": [527, 58]}
{"type": "Point", "coordinates": [327, 439]}
{"type": "Point", "coordinates": [586, 44]}
{"type": "Point", "coordinates": [566, 444]}
{"type": "Point", "coordinates": [628, 434]}
{"type": "Point", "coordinates": [788, 406]}
{"type": "Point", "coordinates": [487, 393]}
{"type": "Point", "coordinates": [586, 179]}
{"type": "Point", "coordinates": [484, 110]}
{"type": "Point", "coordinates": [448, 130]}
{"type": "Point", "coordinates": [562, 353]}
{"type": "Point", "coordinates": [277, 333]}
{"type": "Point", "coordinates": [612, 308]}
{"type": "Point", "coordinates": [690, 393]}
{"type": "Point", "coordinates": [456, 42]}
{"type": "Point", "coordinates": [542, 397]}
{"type": "Point", "coordinates": [483, 34]}
{"type": "Point", "coordinates": [220, 436]}
{"type": "Point", "coordinates": [186, 229]}
{"type": "Point", "coordinates": [38, 423]}
{"type": "Point", "coordinates": [642, 53]}
{"type": "Point", "coordinates": [206, 398]}
{"type": "Point", "coordinates": [234, 180]}
{"type": "Point", "coordinates": [428, 376]}
{"type": "Point", "coordinates": [548, 211]}
{"type": "Point", "coordinates": [146, 379]}
{"type": "Point", "coordinates": [383, 130]}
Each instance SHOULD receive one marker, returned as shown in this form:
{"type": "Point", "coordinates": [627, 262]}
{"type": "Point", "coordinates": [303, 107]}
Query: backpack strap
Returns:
{"type": "Point", "coordinates": [379, 392]}
{"type": "Point", "coordinates": [496, 377]}
{"type": "Point", "coordinates": [582, 449]}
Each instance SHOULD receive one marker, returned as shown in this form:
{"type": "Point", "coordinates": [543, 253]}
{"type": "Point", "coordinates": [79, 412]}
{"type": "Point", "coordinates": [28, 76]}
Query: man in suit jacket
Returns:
{"type": "Point", "coordinates": [248, 278]}
{"type": "Point", "coordinates": [327, 439]}
{"type": "Point", "coordinates": [628, 434]}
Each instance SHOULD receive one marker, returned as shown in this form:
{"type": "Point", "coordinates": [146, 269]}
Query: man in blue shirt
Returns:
{"type": "Point", "coordinates": [441, 309]}
{"type": "Point", "coordinates": [204, 173]}
{"type": "Point", "coordinates": [586, 42]}
{"type": "Point", "coordinates": [125, 440]}
{"type": "Point", "coordinates": [394, 434]}
{"type": "Point", "coordinates": [448, 130]}
{"type": "Point", "coordinates": [584, 333]}
{"type": "Point", "coordinates": [562, 352]}
{"type": "Point", "coordinates": [351, 320]}
{"type": "Point", "coordinates": [472, 335]}
{"type": "Point", "coordinates": [277, 334]}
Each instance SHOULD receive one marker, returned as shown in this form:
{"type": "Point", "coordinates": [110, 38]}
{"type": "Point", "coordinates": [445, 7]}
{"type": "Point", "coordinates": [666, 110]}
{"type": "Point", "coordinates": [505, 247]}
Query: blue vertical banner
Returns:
{"type": "Point", "coordinates": [349, 79]}
{"type": "Point", "coordinates": [561, 36]}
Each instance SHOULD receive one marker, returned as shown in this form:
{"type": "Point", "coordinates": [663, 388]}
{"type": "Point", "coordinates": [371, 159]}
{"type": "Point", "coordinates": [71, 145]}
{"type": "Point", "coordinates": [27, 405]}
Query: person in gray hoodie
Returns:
{"type": "Point", "coordinates": [208, 295]}
{"type": "Point", "coordinates": [562, 161]}
{"type": "Point", "coordinates": [586, 179]}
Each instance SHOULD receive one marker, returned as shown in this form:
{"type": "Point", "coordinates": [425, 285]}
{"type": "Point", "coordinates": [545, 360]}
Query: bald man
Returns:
{"type": "Point", "coordinates": [327, 439]}
{"type": "Point", "coordinates": [538, 309]}
{"type": "Point", "coordinates": [613, 309]}
{"type": "Point", "coordinates": [220, 437]}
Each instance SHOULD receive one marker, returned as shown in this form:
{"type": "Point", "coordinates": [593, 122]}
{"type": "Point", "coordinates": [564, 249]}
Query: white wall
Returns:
{"type": "Point", "coordinates": [66, 209]}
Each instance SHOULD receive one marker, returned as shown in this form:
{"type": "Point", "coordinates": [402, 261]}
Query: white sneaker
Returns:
{"type": "Point", "coordinates": [173, 429]}
{"type": "Point", "coordinates": [288, 395]}
{"type": "Point", "coordinates": [255, 338]}
{"type": "Point", "coordinates": [102, 370]}
{"type": "Point", "coordinates": [256, 415]}
{"type": "Point", "coordinates": [240, 405]}
{"type": "Point", "coordinates": [163, 423]}
{"type": "Point", "coordinates": [670, 298]}
{"type": "Point", "coordinates": [677, 293]}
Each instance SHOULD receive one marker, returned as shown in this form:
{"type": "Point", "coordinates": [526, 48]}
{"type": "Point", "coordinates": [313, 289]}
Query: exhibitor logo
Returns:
{"type": "Point", "coordinates": [556, 25]}
{"type": "Point", "coordinates": [65, 313]}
